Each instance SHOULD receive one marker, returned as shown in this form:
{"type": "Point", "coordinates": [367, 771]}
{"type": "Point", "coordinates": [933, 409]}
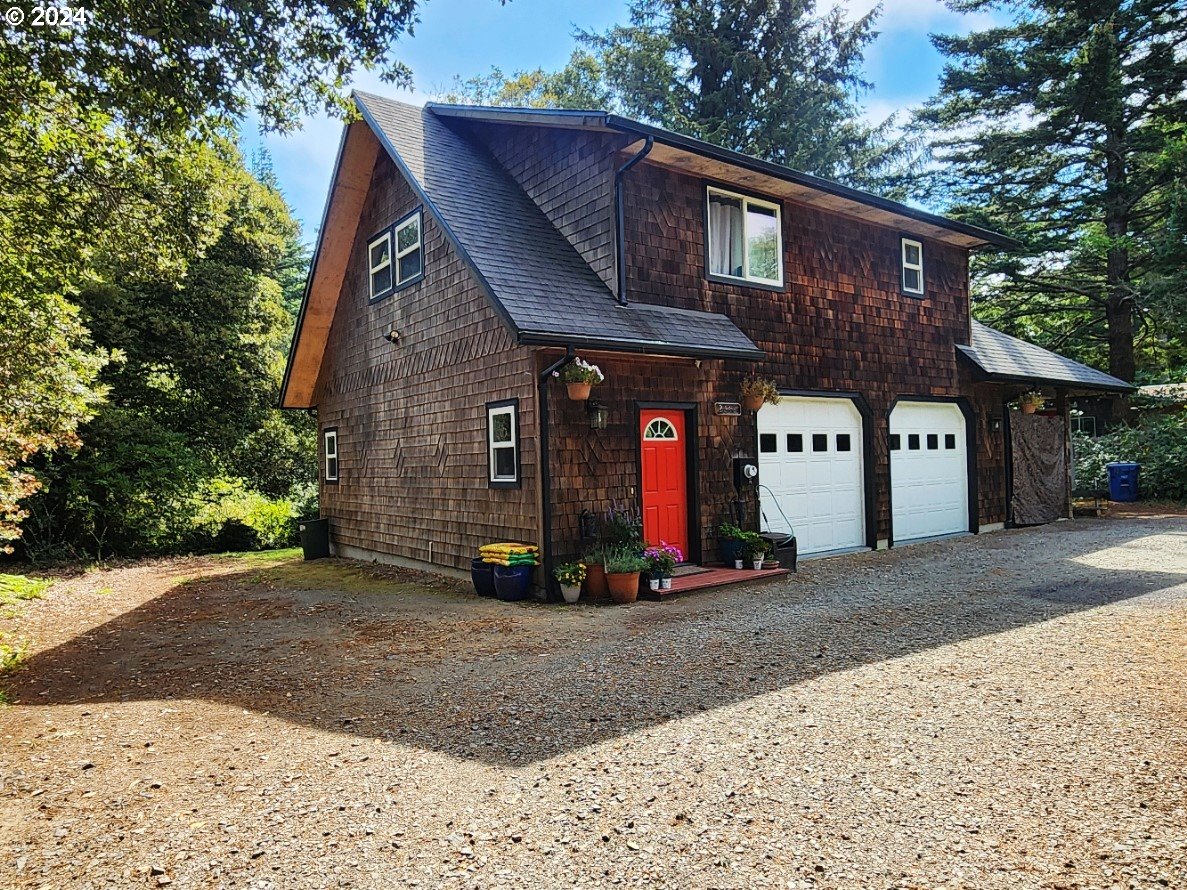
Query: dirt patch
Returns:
{"type": "Point", "coordinates": [1004, 710]}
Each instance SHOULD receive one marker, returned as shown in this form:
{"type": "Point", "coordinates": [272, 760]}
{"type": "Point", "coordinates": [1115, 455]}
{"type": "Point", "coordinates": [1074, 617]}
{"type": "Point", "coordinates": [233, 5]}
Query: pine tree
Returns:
{"type": "Point", "coordinates": [1066, 128]}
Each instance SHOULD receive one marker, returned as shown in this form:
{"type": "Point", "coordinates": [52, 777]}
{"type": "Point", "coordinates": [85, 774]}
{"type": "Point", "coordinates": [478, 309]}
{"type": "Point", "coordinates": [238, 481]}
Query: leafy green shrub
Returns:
{"type": "Point", "coordinates": [230, 516]}
{"type": "Point", "coordinates": [1158, 442]}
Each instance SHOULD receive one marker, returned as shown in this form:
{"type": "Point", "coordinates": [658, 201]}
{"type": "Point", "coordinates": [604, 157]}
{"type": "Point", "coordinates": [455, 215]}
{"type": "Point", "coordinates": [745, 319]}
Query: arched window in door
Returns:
{"type": "Point", "coordinates": [659, 429]}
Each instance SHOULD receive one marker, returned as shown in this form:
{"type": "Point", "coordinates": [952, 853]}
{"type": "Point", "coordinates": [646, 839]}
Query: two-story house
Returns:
{"type": "Point", "coordinates": [466, 253]}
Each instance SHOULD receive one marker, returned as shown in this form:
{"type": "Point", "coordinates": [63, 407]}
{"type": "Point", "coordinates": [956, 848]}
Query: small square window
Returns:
{"type": "Point", "coordinates": [502, 435]}
{"type": "Point", "coordinates": [912, 267]}
{"type": "Point", "coordinates": [933, 441]}
{"type": "Point", "coordinates": [795, 443]}
{"type": "Point", "coordinates": [768, 443]}
{"type": "Point", "coordinates": [950, 441]}
{"type": "Point", "coordinates": [330, 449]}
{"type": "Point", "coordinates": [913, 442]}
{"type": "Point", "coordinates": [843, 443]}
{"type": "Point", "coordinates": [819, 442]}
{"type": "Point", "coordinates": [895, 442]}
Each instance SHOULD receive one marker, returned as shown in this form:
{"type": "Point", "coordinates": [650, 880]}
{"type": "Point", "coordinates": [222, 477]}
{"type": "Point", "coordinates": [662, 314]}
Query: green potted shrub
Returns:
{"type": "Point", "coordinates": [569, 576]}
{"type": "Point", "coordinates": [623, 567]}
{"type": "Point", "coordinates": [580, 377]}
{"type": "Point", "coordinates": [757, 551]}
{"type": "Point", "coordinates": [759, 391]}
{"type": "Point", "coordinates": [729, 544]}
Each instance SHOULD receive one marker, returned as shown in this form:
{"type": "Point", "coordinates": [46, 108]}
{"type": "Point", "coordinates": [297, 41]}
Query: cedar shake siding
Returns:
{"type": "Point", "coordinates": [411, 416]}
{"type": "Point", "coordinates": [570, 176]}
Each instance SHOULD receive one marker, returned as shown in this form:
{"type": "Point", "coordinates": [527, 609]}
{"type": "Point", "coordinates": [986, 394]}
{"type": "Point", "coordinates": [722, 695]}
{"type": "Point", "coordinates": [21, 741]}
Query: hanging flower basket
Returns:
{"type": "Point", "coordinates": [579, 377]}
{"type": "Point", "coordinates": [757, 391]}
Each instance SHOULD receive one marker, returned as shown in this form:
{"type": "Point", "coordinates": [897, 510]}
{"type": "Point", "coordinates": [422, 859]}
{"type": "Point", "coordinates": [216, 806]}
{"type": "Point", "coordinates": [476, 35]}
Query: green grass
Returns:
{"type": "Point", "coordinates": [14, 588]}
{"type": "Point", "coordinates": [263, 556]}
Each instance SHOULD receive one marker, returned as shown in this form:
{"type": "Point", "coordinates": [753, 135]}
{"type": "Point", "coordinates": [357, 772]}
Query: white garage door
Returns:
{"type": "Point", "coordinates": [929, 485]}
{"type": "Point", "coordinates": [810, 459]}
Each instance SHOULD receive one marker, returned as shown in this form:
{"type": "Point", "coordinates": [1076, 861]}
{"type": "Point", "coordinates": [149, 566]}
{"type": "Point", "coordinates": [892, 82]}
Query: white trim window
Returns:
{"type": "Point", "coordinates": [330, 447]}
{"type": "Point", "coordinates": [745, 238]}
{"type": "Point", "coordinates": [502, 440]}
{"type": "Point", "coordinates": [912, 256]}
{"type": "Point", "coordinates": [409, 255]}
{"type": "Point", "coordinates": [379, 259]}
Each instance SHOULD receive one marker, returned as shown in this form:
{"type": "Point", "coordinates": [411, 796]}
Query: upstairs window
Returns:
{"type": "Point", "coordinates": [745, 238]}
{"type": "Point", "coordinates": [330, 439]}
{"type": "Point", "coordinates": [912, 267]}
{"type": "Point", "coordinates": [409, 256]}
{"type": "Point", "coordinates": [379, 252]}
{"type": "Point", "coordinates": [502, 439]}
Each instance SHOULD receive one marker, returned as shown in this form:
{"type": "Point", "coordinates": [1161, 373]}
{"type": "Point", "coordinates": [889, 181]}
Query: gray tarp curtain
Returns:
{"type": "Point", "coordinates": [1039, 461]}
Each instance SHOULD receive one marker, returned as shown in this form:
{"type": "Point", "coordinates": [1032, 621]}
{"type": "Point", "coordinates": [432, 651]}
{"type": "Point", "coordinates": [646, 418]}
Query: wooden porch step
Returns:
{"type": "Point", "coordinates": [715, 577]}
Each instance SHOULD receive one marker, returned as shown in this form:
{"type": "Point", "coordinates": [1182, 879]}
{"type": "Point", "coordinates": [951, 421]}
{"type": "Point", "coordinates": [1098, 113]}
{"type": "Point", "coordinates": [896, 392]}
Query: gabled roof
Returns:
{"type": "Point", "coordinates": [547, 293]}
{"type": "Point", "coordinates": [540, 285]}
{"type": "Point", "coordinates": [700, 157]}
{"type": "Point", "coordinates": [1000, 357]}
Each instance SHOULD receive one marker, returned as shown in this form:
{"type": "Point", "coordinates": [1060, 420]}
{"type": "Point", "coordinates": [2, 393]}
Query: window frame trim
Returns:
{"type": "Point", "coordinates": [904, 240]}
{"type": "Point", "coordinates": [760, 201]}
{"type": "Point", "coordinates": [390, 233]}
{"type": "Point", "coordinates": [492, 408]}
{"type": "Point", "coordinates": [326, 434]}
{"type": "Point", "coordinates": [398, 283]}
{"type": "Point", "coordinates": [383, 234]}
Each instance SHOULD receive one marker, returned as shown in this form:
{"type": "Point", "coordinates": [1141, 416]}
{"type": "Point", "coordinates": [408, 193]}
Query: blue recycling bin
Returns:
{"type": "Point", "coordinates": [1123, 480]}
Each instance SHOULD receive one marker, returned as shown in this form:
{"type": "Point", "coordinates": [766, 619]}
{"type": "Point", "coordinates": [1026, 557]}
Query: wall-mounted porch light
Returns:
{"type": "Point", "coordinates": [599, 415]}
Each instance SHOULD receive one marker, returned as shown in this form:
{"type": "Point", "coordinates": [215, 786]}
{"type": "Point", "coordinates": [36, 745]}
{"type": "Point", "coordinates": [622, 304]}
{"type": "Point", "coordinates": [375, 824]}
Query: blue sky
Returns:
{"type": "Point", "coordinates": [467, 37]}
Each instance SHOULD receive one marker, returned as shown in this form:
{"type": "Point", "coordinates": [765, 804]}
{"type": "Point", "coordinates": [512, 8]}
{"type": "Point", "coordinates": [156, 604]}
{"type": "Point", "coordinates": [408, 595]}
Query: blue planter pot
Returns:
{"type": "Point", "coordinates": [729, 549]}
{"type": "Point", "coordinates": [513, 582]}
{"type": "Point", "coordinates": [483, 576]}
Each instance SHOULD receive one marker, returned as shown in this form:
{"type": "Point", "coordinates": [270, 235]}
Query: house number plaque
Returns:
{"type": "Point", "coordinates": [727, 409]}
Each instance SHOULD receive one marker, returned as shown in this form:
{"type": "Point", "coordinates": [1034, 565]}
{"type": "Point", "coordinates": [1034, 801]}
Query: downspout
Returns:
{"type": "Point", "coordinates": [620, 218]}
{"type": "Point", "coordinates": [545, 472]}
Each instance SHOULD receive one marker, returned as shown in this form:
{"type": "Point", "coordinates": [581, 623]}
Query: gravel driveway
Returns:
{"type": "Point", "coordinates": [1000, 711]}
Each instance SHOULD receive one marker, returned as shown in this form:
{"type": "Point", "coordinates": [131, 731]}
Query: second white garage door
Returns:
{"type": "Point", "coordinates": [929, 484]}
{"type": "Point", "coordinates": [810, 459]}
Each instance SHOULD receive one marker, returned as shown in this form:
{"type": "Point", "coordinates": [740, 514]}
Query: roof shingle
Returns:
{"type": "Point", "coordinates": [1002, 357]}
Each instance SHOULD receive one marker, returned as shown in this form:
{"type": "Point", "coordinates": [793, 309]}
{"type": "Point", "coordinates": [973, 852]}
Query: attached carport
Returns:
{"type": "Point", "coordinates": [1039, 456]}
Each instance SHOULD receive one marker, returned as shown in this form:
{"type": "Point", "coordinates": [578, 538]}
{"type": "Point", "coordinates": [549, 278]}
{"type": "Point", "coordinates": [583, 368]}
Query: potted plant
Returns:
{"type": "Point", "coordinates": [1030, 402]}
{"type": "Point", "coordinates": [569, 576]}
{"type": "Point", "coordinates": [753, 547]}
{"type": "Point", "coordinates": [595, 574]}
{"type": "Point", "coordinates": [661, 562]}
{"type": "Point", "coordinates": [729, 543]}
{"type": "Point", "coordinates": [623, 567]}
{"type": "Point", "coordinates": [758, 391]}
{"type": "Point", "coordinates": [579, 376]}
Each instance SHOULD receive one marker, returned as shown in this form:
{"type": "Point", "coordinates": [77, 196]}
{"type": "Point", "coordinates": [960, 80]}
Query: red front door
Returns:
{"type": "Point", "coordinates": [665, 478]}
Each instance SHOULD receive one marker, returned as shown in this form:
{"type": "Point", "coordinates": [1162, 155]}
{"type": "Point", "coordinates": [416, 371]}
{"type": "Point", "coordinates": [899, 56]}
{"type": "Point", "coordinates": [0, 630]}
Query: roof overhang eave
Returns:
{"type": "Point", "coordinates": [639, 347]}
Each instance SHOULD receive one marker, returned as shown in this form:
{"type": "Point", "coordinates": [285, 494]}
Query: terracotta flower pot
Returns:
{"type": "Point", "coordinates": [579, 392]}
{"type": "Point", "coordinates": [752, 403]}
{"type": "Point", "coordinates": [624, 587]}
{"type": "Point", "coordinates": [595, 582]}
{"type": "Point", "coordinates": [1029, 407]}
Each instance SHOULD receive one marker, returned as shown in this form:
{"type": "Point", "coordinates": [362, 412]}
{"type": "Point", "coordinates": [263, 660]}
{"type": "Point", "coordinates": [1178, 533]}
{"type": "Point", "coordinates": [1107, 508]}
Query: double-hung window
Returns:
{"type": "Point", "coordinates": [395, 256]}
{"type": "Point", "coordinates": [502, 442]}
{"type": "Point", "coordinates": [379, 254]}
{"type": "Point", "coordinates": [330, 447]}
{"type": "Point", "coordinates": [912, 267]}
{"type": "Point", "coordinates": [409, 255]}
{"type": "Point", "coordinates": [745, 238]}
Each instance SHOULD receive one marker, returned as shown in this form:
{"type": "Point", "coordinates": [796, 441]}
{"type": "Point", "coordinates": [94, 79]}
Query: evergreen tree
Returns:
{"type": "Point", "coordinates": [1065, 127]}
